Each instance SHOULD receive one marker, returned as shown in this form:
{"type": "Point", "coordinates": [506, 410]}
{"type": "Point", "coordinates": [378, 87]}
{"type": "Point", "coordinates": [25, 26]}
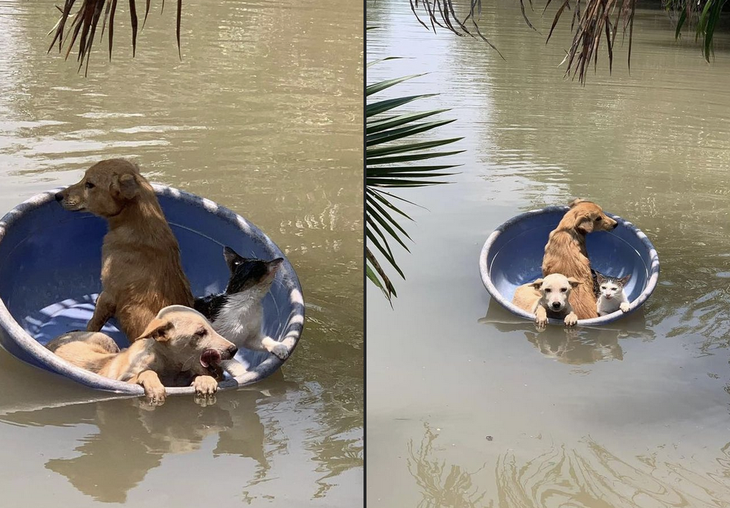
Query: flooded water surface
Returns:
{"type": "Point", "coordinates": [263, 114]}
{"type": "Point", "coordinates": [469, 407]}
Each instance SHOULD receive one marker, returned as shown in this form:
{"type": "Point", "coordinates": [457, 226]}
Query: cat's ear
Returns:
{"type": "Point", "coordinates": [574, 282]}
{"type": "Point", "coordinates": [600, 278]}
{"type": "Point", "coordinates": [537, 284]}
{"type": "Point", "coordinates": [624, 280]}
{"type": "Point", "coordinates": [233, 259]}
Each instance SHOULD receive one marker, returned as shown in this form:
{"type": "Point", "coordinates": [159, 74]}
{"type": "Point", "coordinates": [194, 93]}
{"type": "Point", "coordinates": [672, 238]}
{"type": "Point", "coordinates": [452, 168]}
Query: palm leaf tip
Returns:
{"type": "Point", "coordinates": [82, 24]}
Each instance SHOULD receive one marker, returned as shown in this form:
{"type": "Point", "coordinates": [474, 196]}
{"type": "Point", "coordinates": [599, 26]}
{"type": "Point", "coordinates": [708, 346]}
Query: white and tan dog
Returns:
{"type": "Point", "coordinates": [548, 298]}
{"type": "Point", "coordinates": [178, 347]}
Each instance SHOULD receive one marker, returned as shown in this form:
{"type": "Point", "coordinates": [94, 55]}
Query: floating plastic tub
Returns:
{"type": "Point", "coordinates": [50, 265]}
{"type": "Point", "coordinates": [512, 256]}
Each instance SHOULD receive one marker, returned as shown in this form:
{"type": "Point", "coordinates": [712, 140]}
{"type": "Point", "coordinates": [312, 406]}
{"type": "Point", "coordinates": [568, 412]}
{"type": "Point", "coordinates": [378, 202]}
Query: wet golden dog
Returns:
{"type": "Point", "coordinates": [141, 271]}
{"type": "Point", "coordinates": [548, 297]}
{"type": "Point", "coordinates": [178, 347]}
{"type": "Point", "coordinates": [566, 252]}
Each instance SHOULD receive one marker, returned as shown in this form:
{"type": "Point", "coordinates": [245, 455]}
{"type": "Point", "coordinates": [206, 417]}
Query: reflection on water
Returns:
{"type": "Point", "coordinates": [589, 475]}
{"type": "Point", "coordinates": [442, 486]}
{"type": "Point", "coordinates": [585, 474]}
{"type": "Point", "coordinates": [131, 439]}
{"type": "Point", "coordinates": [573, 345]}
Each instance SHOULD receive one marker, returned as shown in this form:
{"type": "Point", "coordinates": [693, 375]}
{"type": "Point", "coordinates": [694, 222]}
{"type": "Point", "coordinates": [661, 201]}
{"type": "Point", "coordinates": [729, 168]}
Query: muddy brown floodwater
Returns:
{"type": "Point", "coordinates": [467, 407]}
{"type": "Point", "coordinates": [262, 115]}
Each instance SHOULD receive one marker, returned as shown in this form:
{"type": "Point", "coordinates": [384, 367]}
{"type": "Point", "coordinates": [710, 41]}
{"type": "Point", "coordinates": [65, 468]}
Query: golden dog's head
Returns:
{"type": "Point", "coordinates": [189, 340]}
{"type": "Point", "coordinates": [586, 217]}
{"type": "Point", "coordinates": [106, 188]}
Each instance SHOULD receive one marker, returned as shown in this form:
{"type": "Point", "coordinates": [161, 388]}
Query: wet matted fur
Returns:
{"type": "Point", "coordinates": [141, 268]}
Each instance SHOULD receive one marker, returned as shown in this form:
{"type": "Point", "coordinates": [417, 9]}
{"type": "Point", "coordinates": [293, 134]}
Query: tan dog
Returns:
{"type": "Point", "coordinates": [548, 297]}
{"type": "Point", "coordinates": [566, 252]}
{"type": "Point", "coordinates": [178, 346]}
{"type": "Point", "coordinates": [141, 271]}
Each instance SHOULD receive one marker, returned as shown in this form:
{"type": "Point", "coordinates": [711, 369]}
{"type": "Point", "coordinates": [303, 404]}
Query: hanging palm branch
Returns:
{"type": "Point", "coordinates": [591, 21]}
{"type": "Point", "coordinates": [85, 20]}
{"type": "Point", "coordinates": [705, 14]}
{"type": "Point", "coordinates": [390, 154]}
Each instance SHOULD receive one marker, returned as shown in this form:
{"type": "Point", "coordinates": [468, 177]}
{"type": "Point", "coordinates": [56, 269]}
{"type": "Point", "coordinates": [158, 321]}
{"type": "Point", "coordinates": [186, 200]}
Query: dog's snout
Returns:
{"type": "Point", "coordinates": [59, 196]}
{"type": "Point", "coordinates": [556, 305]}
{"type": "Point", "coordinates": [232, 351]}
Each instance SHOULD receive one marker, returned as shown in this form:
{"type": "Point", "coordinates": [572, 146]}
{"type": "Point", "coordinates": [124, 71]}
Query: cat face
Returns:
{"type": "Point", "coordinates": [248, 273]}
{"type": "Point", "coordinates": [611, 287]}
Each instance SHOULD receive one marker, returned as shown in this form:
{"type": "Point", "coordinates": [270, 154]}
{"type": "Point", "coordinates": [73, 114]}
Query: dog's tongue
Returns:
{"type": "Point", "coordinates": [210, 357]}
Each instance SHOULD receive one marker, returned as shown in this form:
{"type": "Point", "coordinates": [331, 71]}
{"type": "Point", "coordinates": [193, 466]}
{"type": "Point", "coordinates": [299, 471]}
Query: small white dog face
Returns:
{"type": "Point", "coordinates": [555, 289]}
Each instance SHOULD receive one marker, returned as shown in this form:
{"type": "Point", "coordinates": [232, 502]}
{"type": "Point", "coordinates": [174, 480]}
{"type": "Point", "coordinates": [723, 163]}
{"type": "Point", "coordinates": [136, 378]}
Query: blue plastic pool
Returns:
{"type": "Point", "coordinates": [512, 256]}
{"type": "Point", "coordinates": [50, 261]}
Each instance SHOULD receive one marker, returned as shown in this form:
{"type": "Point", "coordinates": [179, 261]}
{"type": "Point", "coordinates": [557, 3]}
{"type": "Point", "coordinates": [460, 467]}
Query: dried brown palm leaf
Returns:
{"type": "Point", "coordinates": [83, 23]}
{"type": "Point", "coordinates": [591, 21]}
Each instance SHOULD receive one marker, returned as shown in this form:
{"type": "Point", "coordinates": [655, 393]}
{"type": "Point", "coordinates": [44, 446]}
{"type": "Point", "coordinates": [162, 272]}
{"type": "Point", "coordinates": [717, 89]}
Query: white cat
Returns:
{"type": "Point", "coordinates": [612, 296]}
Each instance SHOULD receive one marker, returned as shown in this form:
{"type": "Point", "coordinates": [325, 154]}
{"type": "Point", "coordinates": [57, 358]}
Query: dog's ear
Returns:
{"type": "Point", "coordinates": [574, 282]}
{"type": "Point", "coordinates": [585, 224]}
{"type": "Point", "coordinates": [158, 329]}
{"type": "Point", "coordinates": [576, 201]}
{"type": "Point", "coordinates": [624, 280]}
{"type": "Point", "coordinates": [125, 185]}
{"type": "Point", "coordinates": [537, 284]}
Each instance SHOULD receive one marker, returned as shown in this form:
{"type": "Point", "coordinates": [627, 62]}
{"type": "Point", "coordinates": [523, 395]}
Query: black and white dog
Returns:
{"type": "Point", "coordinates": [237, 313]}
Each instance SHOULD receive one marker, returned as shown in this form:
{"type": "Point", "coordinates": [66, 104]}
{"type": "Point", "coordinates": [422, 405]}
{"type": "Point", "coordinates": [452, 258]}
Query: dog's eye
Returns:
{"type": "Point", "coordinates": [201, 332]}
{"type": "Point", "coordinates": [563, 290]}
{"type": "Point", "coordinates": [89, 185]}
{"type": "Point", "coordinates": [598, 219]}
{"type": "Point", "coordinates": [547, 290]}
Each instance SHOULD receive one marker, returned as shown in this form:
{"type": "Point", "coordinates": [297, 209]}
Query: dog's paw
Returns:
{"type": "Point", "coordinates": [205, 400]}
{"type": "Point", "coordinates": [541, 323]}
{"type": "Point", "coordinates": [155, 395]}
{"type": "Point", "coordinates": [205, 385]}
{"type": "Point", "coordinates": [280, 351]}
{"type": "Point", "coordinates": [571, 319]}
{"type": "Point", "coordinates": [625, 306]}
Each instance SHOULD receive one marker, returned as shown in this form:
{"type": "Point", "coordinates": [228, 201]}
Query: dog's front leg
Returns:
{"type": "Point", "coordinates": [153, 387]}
{"type": "Point", "coordinates": [541, 319]}
{"type": "Point", "coordinates": [571, 319]}
{"type": "Point", "coordinates": [104, 310]}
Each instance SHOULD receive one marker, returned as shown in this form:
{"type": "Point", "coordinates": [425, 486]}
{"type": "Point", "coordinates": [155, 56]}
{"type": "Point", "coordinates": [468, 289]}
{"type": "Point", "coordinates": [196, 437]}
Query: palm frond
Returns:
{"type": "Point", "coordinates": [593, 22]}
{"type": "Point", "coordinates": [82, 25]}
{"type": "Point", "coordinates": [388, 134]}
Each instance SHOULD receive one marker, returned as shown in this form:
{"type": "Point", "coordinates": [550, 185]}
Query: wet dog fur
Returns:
{"type": "Point", "coordinates": [548, 298]}
{"type": "Point", "coordinates": [141, 268]}
{"type": "Point", "coordinates": [566, 252]}
{"type": "Point", "coordinates": [238, 313]}
{"type": "Point", "coordinates": [179, 346]}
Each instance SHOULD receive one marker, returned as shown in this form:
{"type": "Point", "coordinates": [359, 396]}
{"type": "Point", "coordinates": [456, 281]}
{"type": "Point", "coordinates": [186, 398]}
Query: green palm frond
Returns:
{"type": "Point", "coordinates": [84, 22]}
{"type": "Point", "coordinates": [391, 157]}
{"type": "Point", "coordinates": [705, 14]}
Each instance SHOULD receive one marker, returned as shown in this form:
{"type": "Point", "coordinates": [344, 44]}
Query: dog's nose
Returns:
{"type": "Point", "coordinates": [59, 196]}
{"type": "Point", "coordinates": [232, 351]}
{"type": "Point", "coordinates": [556, 305]}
